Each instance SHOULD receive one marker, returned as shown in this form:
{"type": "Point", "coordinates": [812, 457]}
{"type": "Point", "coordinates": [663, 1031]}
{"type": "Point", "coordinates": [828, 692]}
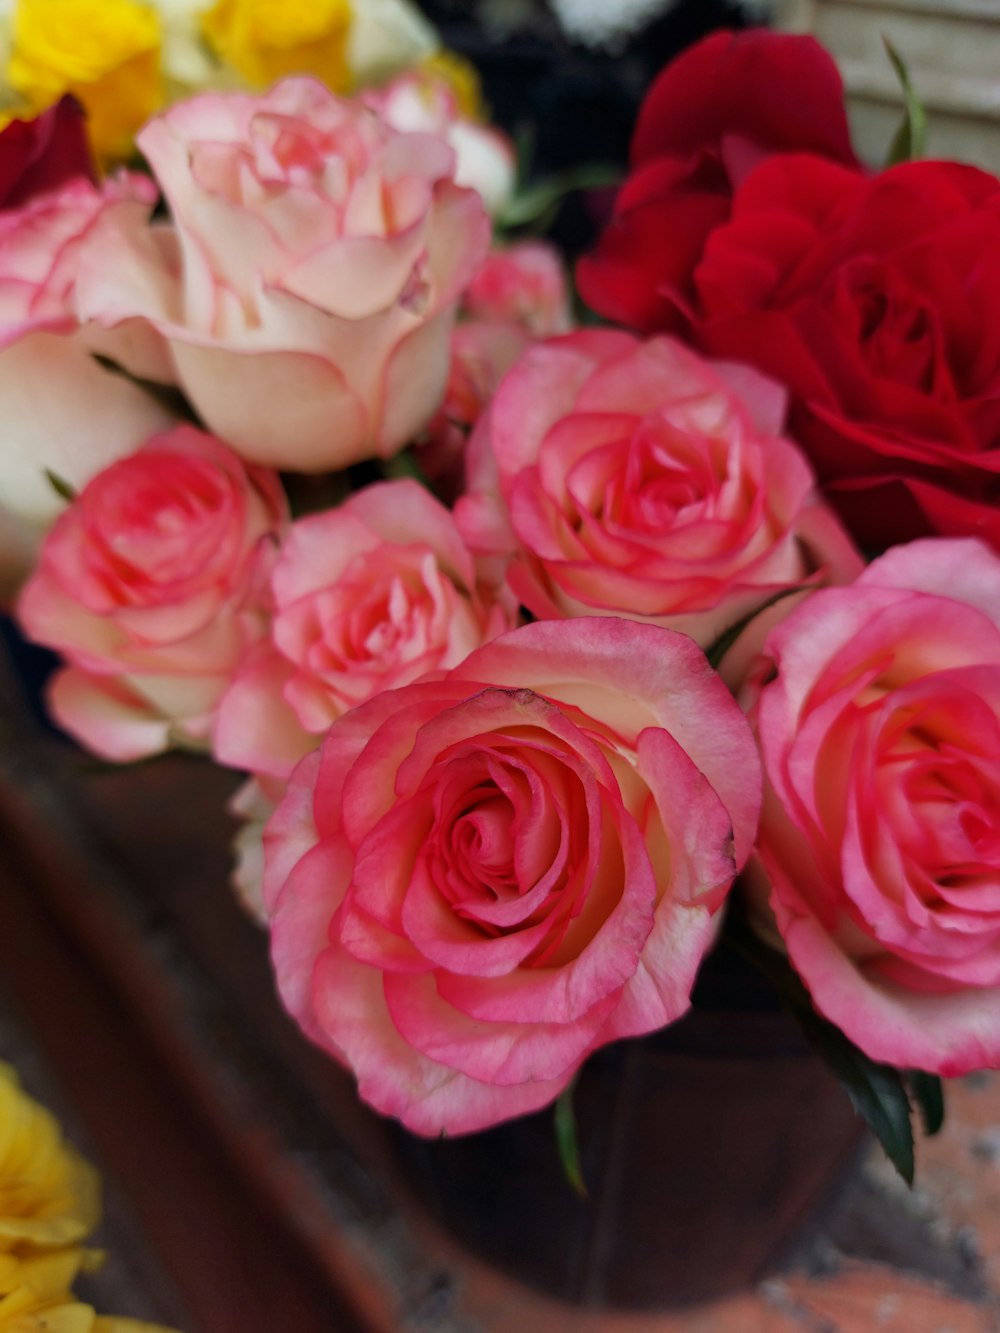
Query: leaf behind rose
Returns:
{"type": "Point", "coordinates": [910, 141]}
{"type": "Point", "coordinates": [928, 1093]}
{"type": "Point", "coordinates": [876, 1091]}
{"type": "Point", "coordinates": [566, 1140]}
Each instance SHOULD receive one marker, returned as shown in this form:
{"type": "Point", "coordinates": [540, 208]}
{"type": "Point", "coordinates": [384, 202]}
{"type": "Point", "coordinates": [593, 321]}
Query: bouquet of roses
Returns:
{"type": "Point", "coordinates": [532, 637]}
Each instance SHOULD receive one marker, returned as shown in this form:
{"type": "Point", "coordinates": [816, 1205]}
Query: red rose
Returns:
{"type": "Point", "coordinates": [876, 301]}
{"type": "Point", "coordinates": [725, 105]}
{"type": "Point", "coordinates": [42, 154]}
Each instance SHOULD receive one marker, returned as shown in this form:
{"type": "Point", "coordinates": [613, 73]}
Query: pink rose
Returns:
{"type": "Point", "coordinates": [880, 835]}
{"type": "Point", "coordinates": [636, 479]}
{"type": "Point", "coordinates": [59, 409]}
{"type": "Point", "coordinates": [524, 284]}
{"type": "Point", "coordinates": [150, 584]}
{"type": "Point", "coordinates": [519, 294]}
{"type": "Point", "coordinates": [419, 102]}
{"type": "Point", "coordinates": [309, 287]}
{"type": "Point", "coordinates": [366, 597]}
{"type": "Point", "coordinates": [479, 879]}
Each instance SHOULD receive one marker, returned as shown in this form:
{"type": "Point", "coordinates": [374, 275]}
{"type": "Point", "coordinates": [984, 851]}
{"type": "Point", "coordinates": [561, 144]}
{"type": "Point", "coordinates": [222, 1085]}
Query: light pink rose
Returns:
{"type": "Point", "coordinates": [880, 835]}
{"type": "Point", "coordinates": [309, 286]}
{"type": "Point", "coordinates": [524, 284]}
{"type": "Point", "coordinates": [151, 585]}
{"type": "Point", "coordinates": [366, 597]}
{"type": "Point", "coordinates": [634, 478]}
{"type": "Point", "coordinates": [418, 102]}
{"type": "Point", "coordinates": [60, 409]}
{"type": "Point", "coordinates": [479, 879]}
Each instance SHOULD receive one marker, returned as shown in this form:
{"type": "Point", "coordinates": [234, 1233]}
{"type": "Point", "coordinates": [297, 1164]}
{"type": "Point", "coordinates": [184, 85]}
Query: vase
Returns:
{"type": "Point", "coordinates": [707, 1151]}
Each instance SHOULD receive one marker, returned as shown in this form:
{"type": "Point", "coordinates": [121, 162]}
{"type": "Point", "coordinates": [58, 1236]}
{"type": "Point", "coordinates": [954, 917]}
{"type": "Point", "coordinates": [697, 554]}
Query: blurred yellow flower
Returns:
{"type": "Point", "coordinates": [106, 53]}
{"type": "Point", "coordinates": [264, 40]}
{"type": "Point", "coordinates": [41, 1302]}
{"type": "Point", "coordinates": [461, 77]}
{"type": "Point", "coordinates": [49, 1196]}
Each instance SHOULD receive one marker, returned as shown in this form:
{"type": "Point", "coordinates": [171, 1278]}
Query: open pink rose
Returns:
{"type": "Point", "coordinates": [309, 287]}
{"type": "Point", "coordinates": [880, 835]}
{"type": "Point", "coordinates": [151, 585]}
{"type": "Point", "coordinates": [366, 597]}
{"type": "Point", "coordinates": [634, 478]}
{"type": "Point", "coordinates": [479, 879]}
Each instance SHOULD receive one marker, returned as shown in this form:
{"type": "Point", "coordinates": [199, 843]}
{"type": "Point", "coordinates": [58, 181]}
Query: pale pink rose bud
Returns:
{"type": "Point", "coordinates": [878, 713]}
{"type": "Point", "coordinates": [365, 598]}
{"type": "Point", "coordinates": [308, 286]}
{"type": "Point", "coordinates": [634, 478]}
{"type": "Point", "coordinates": [481, 878]}
{"type": "Point", "coordinates": [421, 103]}
{"type": "Point", "coordinates": [151, 585]}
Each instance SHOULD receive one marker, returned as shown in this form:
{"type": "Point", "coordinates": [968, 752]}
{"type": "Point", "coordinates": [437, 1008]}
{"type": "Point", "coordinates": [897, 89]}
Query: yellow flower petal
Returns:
{"type": "Point", "coordinates": [49, 1195]}
{"type": "Point", "coordinates": [107, 55]}
{"type": "Point", "coordinates": [461, 77]}
{"type": "Point", "coordinates": [264, 41]}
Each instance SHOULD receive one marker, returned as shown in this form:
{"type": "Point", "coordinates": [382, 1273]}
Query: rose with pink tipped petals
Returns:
{"type": "Point", "coordinates": [59, 409]}
{"type": "Point", "coordinates": [151, 584]}
{"type": "Point", "coordinates": [309, 285]}
{"type": "Point", "coordinates": [634, 478]}
{"type": "Point", "coordinates": [880, 836]}
{"type": "Point", "coordinates": [480, 878]}
{"type": "Point", "coordinates": [366, 597]}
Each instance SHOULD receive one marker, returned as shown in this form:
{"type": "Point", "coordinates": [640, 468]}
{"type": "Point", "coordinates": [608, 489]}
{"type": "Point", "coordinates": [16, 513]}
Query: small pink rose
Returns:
{"type": "Point", "coordinates": [480, 878]}
{"type": "Point", "coordinates": [634, 478]}
{"type": "Point", "coordinates": [308, 285]}
{"type": "Point", "coordinates": [523, 284]}
{"type": "Point", "coordinates": [151, 585]}
{"type": "Point", "coordinates": [366, 597]}
{"type": "Point", "coordinates": [880, 836]}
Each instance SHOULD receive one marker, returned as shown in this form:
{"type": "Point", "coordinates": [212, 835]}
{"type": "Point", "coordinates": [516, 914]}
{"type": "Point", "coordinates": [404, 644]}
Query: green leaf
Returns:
{"type": "Point", "coordinates": [876, 1091]}
{"type": "Point", "coordinates": [927, 1091]}
{"type": "Point", "coordinates": [60, 485]}
{"type": "Point", "coordinates": [537, 203]}
{"type": "Point", "coordinates": [569, 1149]}
{"type": "Point", "coordinates": [911, 138]}
{"type": "Point", "coordinates": [402, 467]}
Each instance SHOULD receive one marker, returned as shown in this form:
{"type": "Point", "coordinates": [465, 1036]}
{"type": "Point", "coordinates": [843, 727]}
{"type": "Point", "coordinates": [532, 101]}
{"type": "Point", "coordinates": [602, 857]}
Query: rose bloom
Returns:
{"type": "Point", "coordinates": [365, 597]}
{"type": "Point", "coordinates": [715, 112]}
{"type": "Point", "coordinates": [309, 285]}
{"type": "Point", "coordinates": [874, 301]}
{"type": "Point", "coordinates": [151, 586]}
{"type": "Point", "coordinates": [523, 284]}
{"type": "Point", "coordinates": [479, 879]}
{"type": "Point", "coordinates": [637, 479]}
{"type": "Point", "coordinates": [519, 294]}
{"type": "Point", "coordinates": [60, 410]}
{"type": "Point", "coordinates": [880, 836]}
{"type": "Point", "coordinates": [422, 102]}
{"type": "Point", "coordinates": [44, 153]}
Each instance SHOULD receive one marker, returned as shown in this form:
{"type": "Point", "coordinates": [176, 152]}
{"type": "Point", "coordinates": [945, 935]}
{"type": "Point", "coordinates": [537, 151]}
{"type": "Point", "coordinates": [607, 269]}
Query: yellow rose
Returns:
{"type": "Point", "coordinates": [49, 1196]}
{"type": "Point", "coordinates": [264, 41]}
{"type": "Point", "coordinates": [105, 52]}
{"type": "Point", "coordinates": [42, 1303]}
